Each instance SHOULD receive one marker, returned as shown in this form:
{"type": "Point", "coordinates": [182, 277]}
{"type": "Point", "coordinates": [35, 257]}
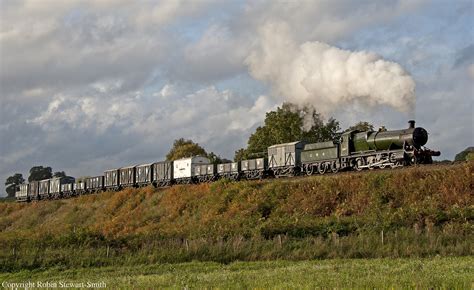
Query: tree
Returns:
{"type": "Point", "coordinates": [40, 173]}
{"type": "Point", "coordinates": [287, 124]}
{"type": "Point", "coordinates": [12, 183]}
{"type": "Point", "coordinates": [463, 155]}
{"type": "Point", "coordinates": [240, 155]}
{"type": "Point", "coordinates": [59, 174]}
{"type": "Point", "coordinates": [321, 132]}
{"type": "Point", "coordinates": [216, 159]}
{"type": "Point", "coordinates": [185, 148]}
{"type": "Point", "coordinates": [362, 126]}
{"type": "Point", "coordinates": [470, 156]}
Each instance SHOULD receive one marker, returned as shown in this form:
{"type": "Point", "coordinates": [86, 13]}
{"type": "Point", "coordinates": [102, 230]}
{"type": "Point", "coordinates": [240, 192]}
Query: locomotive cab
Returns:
{"type": "Point", "coordinates": [346, 144]}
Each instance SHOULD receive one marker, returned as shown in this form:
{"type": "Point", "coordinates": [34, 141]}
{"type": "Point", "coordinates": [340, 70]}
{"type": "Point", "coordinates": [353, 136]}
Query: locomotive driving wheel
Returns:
{"type": "Point", "coordinates": [382, 165]}
{"type": "Point", "coordinates": [359, 162]}
{"type": "Point", "coordinates": [371, 162]}
{"type": "Point", "coordinates": [334, 167]}
{"type": "Point", "coordinates": [393, 161]}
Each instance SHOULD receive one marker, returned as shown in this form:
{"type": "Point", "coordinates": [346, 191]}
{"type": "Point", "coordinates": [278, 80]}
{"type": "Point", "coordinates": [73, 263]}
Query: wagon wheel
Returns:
{"type": "Point", "coordinates": [322, 168]}
{"type": "Point", "coordinates": [276, 172]}
{"type": "Point", "coordinates": [334, 167]}
{"type": "Point", "coordinates": [292, 172]}
{"type": "Point", "coordinates": [309, 169]}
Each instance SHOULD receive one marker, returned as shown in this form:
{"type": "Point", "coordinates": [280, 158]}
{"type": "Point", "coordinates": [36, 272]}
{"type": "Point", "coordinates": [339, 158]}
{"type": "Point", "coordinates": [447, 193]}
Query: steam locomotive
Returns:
{"type": "Point", "coordinates": [352, 150]}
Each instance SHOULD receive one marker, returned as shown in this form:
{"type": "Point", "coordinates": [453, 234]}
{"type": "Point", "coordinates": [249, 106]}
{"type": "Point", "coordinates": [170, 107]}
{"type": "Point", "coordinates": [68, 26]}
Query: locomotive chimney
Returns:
{"type": "Point", "coordinates": [411, 124]}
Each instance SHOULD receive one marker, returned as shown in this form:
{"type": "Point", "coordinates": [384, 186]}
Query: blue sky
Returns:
{"type": "Point", "coordinates": [91, 85]}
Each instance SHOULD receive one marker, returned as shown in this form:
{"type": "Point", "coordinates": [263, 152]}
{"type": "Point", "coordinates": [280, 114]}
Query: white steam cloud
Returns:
{"type": "Point", "coordinates": [326, 77]}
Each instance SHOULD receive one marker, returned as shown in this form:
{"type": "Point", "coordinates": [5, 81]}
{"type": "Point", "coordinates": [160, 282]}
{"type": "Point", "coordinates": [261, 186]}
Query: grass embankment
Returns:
{"type": "Point", "coordinates": [355, 273]}
{"type": "Point", "coordinates": [414, 212]}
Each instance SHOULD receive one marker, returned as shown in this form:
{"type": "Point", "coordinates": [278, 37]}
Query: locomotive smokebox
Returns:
{"type": "Point", "coordinates": [411, 124]}
{"type": "Point", "coordinates": [420, 137]}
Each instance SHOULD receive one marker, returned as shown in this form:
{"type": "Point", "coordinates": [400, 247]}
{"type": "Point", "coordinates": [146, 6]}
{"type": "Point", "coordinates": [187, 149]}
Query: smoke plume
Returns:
{"type": "Point", "coordinates": [326, 77]}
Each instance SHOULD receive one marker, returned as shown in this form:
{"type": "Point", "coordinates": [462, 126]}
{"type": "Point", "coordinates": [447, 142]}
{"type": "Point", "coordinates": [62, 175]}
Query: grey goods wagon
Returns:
{"type": "Point", "coordinates": [34, 190]}
{"type": "Point", "coordinates": [94, 184]}
{"type": "Point", "coordinates": [144, 174]}
{"type": "Point", "coordinates": [67, 189]}
{"type": "Point", "coordinates": [229, 170]}
{"type": "Point", "coordinates": [55, 185]}
{"type": "Point", "coordinates": [22, 194]}
{"type": "Point", "coordinates": [254, 168]}
{"type": "Point", "coordinates": [183, 171]}
{"type": "Point", "coordinates": [79, 187]}
{"type": "Point", "coordinates": [44, 189]}
{"type": "Point", "coordinates": [285, 159]}
{"type": "Point", "coordinates": [162, 173]}
{"type": "Point", "coordinates": [127, 176]}
{"type": "Point", "coordinates": [111, 179]}
{"type": "Point", "coordinates": [205, 172]}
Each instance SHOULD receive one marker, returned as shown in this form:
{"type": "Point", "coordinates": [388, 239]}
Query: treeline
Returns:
{"type": "Point", "coordinates": [36, 173]}
{"type": "Point", "coordinates": [287, 123]}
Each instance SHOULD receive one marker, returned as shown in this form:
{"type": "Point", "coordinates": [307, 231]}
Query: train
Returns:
{"type": "Point", "coordinates": [352, 150]}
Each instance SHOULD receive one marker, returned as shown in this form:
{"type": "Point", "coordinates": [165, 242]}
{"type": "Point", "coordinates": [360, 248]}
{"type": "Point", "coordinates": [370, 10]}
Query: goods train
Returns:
{"type": "Point", "coordinates": [352, 150]}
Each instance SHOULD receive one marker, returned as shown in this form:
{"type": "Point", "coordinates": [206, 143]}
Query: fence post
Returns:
{"type": "Point", "coordinates": [279, 240]}
{"type": "Point", "coordinates": [381, 235]}
{"type": "Point", "coordinates": [108, 251]}
{"type": "Point", "coordinates": [186, 244]}
{"type": "Point", "coordinates": [335, 239]}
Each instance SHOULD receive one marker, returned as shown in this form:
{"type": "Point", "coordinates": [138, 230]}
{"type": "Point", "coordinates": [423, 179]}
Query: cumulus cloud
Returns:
{"type": "Point", "coordinates": [75, 43]}
{"type": "Point", "coordinates": [217, 113]}
{"type": "Point", "coordinates": [465, 56]}
{"type": "Point", "coordinates": [325, 20]}
{"type": "Point", "coordinates": [470, 70]}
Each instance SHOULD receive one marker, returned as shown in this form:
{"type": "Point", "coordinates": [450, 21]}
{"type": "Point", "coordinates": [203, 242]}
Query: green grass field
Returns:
{"type": "Point", "coordinates": [446, 272]}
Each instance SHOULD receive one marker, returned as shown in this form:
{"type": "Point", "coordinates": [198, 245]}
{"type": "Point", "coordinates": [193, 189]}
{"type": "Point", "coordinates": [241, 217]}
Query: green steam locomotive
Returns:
{"type": "Point", "coordinates": [353, 150]}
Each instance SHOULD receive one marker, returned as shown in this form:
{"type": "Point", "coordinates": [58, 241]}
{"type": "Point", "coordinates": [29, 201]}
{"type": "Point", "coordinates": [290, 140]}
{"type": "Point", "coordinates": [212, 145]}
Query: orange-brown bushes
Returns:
{"type": "Point", "coordinates": [399, 197]}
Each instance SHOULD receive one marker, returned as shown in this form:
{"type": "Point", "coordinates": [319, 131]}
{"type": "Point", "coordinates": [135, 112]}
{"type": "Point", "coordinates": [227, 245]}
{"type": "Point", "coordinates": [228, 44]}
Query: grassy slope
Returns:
{"type": "Point", "coordinates": [378, 273]}
{"type": "Point", "coordinates": [422, 211]}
